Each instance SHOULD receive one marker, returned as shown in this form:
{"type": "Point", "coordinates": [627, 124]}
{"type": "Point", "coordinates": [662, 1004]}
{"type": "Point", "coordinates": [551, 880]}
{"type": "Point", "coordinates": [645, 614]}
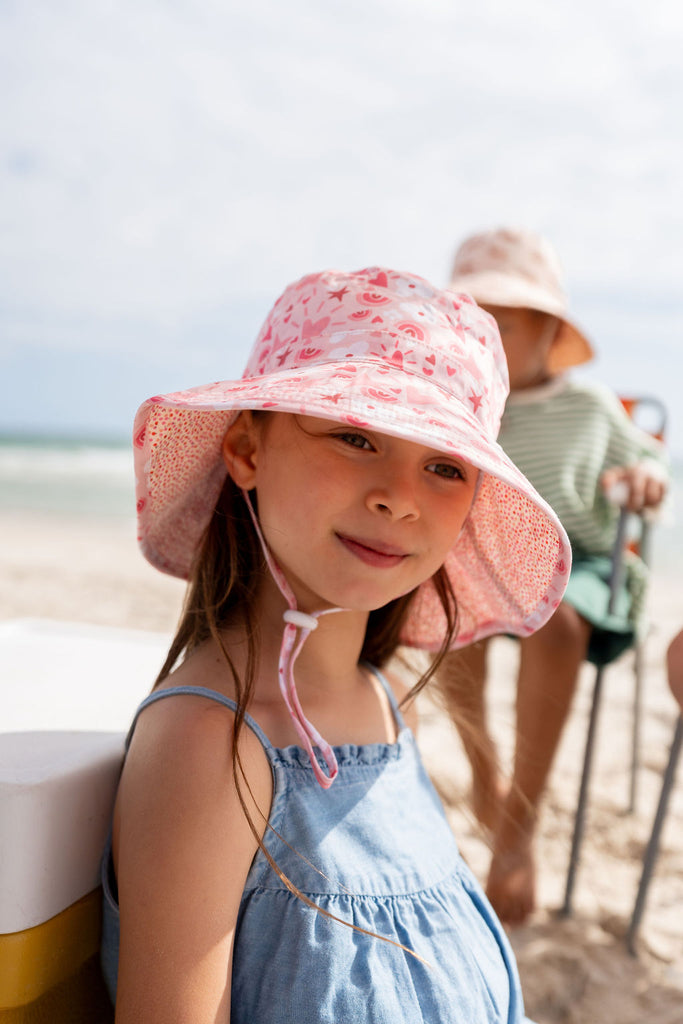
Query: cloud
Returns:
{"type": "Point", "coordinates": [167, 168]}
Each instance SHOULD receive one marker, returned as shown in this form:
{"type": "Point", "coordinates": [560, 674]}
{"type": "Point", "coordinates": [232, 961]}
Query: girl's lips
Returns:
{"type": "Point", "coordinates": [383, 556]}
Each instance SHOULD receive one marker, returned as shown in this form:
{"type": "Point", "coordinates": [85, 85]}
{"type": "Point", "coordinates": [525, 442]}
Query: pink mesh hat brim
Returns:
{"type": "Point", "coordinates": [508, 567]}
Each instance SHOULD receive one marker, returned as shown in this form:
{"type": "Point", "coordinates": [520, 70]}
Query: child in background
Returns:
{"type": "Point", "coordinates": [574, 441]}
{"type": "Point", "coordinates": [345, 496]}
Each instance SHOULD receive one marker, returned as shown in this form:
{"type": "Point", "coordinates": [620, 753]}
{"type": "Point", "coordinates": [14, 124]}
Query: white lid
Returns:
{"type": "Point", "coordinates": [67, 675]}
{"type": "Point", "coordinates": [56, 796]}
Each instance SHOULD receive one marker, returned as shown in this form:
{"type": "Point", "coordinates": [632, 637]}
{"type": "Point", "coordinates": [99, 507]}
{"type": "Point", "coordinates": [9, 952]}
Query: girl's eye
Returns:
{"type": "Point", "coordinates": [355, 440]}
{"type": "Point", "coordinates": [446, 470]}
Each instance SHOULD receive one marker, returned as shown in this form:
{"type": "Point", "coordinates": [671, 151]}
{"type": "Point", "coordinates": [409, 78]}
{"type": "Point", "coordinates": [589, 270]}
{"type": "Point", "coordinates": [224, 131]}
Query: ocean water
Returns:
{"type": "Point", "coordinates": [87, 477]}
{"type": "Point", "coordinates": [65, 476]}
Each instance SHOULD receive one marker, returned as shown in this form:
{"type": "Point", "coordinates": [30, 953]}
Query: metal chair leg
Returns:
{"type": "Point", "coordinates": [639, 666]}
{"type": "Point", "coordinates": [635, 725]}
{"type": "Point", "coordinates": [580, 815]}
{"type": "Point", "coordinates": [653, 845]}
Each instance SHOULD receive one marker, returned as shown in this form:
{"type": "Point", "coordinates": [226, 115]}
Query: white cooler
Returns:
{"type": "Point", "coordinates": [69, 692]}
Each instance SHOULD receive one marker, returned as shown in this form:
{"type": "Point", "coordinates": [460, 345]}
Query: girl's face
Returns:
{"type": "Point", "coordinates": [354, 518]}
{"type": "Point", "coordinates": [527, 337]}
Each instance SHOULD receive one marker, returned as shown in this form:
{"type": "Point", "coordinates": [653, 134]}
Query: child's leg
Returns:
{"type": "Point", "coordinates": [674, 665]}
{"type": "Point", "coordinates": [461, 681]}
{"type": "Point", "coordinates": [549, 668]}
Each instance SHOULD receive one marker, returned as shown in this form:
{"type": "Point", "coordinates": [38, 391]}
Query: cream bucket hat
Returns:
{"type": "Point", "coordinates": [510, 267]}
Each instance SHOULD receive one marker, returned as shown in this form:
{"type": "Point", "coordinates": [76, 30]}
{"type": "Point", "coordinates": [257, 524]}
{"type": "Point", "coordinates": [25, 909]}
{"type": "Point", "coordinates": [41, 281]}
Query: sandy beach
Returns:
{"type": "Point", "coordinates": [577, 970]}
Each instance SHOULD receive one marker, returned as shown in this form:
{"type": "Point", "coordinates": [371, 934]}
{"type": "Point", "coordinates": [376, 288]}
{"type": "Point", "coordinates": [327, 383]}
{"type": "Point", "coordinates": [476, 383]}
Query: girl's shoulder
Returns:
{"type": "Point", "coordinates": [197, 729]}
{"type": "Point", "coordinates": [182, 743]}
{"type": "Point", "coordinates": [183, 846]}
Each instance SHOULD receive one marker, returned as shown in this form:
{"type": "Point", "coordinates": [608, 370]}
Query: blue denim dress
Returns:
{"type": "Point", "coordinates": [376, 851]}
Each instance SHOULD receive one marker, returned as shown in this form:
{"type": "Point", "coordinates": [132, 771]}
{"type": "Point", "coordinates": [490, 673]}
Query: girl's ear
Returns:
{"type": "Point", "coordinates": [240, 450]}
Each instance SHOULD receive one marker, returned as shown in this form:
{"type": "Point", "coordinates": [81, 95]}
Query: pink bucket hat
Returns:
{"type": "Point", "coordinates": [509, 267]}
{"type": "Point", "coordinates": [388, 351]}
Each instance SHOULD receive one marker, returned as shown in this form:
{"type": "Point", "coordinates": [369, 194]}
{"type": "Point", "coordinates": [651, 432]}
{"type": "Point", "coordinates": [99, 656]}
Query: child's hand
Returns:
{"type": "Point", "coordinates": [643, 485]}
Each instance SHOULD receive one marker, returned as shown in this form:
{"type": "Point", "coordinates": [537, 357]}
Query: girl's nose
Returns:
{"type": "Point", "coordinates": [394, 499]}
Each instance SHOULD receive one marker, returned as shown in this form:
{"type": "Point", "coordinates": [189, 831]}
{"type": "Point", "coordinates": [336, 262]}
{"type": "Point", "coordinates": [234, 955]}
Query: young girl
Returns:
{"type": "Point", "coordinates": [573, 440]}
{"type": "Point", "coordinates": [277, 850]}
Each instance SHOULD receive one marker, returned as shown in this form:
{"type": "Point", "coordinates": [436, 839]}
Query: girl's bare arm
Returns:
{"type": "Point", "coordinates": [183, 850]}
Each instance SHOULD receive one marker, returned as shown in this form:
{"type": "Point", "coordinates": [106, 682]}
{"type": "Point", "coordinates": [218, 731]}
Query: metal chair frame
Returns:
{"type": "Point", "coordinates": [631, 405]}
{"type": "Point", "coordinates": [652, 849]}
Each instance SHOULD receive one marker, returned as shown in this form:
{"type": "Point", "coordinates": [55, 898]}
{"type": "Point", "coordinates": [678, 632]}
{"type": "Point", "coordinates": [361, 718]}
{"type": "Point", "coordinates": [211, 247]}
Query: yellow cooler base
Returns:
{"type": "Point", "coordinates": [50, 974]}
{"type": "Point", "coordinates": [81, 999]}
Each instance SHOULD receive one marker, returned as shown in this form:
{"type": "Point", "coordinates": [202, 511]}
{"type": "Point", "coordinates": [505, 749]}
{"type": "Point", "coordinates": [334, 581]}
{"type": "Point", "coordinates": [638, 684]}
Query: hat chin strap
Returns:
{"type": "Point", "coordinates": [298, 627]}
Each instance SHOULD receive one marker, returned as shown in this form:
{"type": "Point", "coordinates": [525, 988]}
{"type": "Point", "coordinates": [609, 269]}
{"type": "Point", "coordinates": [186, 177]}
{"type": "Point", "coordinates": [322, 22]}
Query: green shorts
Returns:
{"type": "Point", "coordinates": [588, 592]}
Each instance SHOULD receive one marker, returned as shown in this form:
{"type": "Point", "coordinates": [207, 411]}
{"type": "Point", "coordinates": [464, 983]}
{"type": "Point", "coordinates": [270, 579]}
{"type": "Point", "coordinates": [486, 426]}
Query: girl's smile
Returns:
{"type": "Point", "coordinates": [353, 501]}
{"type": "Point", "coordinates": [374, 552]}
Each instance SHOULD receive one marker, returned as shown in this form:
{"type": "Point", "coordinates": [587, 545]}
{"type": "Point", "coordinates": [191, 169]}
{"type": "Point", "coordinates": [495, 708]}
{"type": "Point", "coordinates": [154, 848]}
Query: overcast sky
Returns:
{"type": "Point", "coordinates": [166, 168]}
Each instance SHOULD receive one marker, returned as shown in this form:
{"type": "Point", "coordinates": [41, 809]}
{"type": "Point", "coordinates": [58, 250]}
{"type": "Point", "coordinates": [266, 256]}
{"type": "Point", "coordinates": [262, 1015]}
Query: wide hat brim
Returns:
{"type": "Point", "coordinates": [510, 563]}
{"type": "Point", "coordinates": [495, 288]}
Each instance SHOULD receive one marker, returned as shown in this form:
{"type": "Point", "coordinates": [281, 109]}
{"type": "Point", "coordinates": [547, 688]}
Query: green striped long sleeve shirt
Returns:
{"type": "Point", "coordinates": [563, 435]}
